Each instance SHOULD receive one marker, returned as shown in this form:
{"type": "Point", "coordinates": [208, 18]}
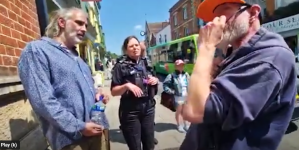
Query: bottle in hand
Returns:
{"type": "Point", "coordinates": [98, 115]}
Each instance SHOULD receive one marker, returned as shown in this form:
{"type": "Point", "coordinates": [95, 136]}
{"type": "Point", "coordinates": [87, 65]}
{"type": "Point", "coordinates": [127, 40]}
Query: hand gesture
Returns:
{"type": "Point", "coordinates": [212, 33]}
{"type": "Point", "coordinates": [135, 89]}
{"type": "Point", "coordinates": [92, 129]}
{"type": "Point", "coordinates": [152, 80]}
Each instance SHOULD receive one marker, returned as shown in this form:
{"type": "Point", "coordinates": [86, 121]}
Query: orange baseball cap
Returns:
{"type": "Point", "coordinates": [205, 9]}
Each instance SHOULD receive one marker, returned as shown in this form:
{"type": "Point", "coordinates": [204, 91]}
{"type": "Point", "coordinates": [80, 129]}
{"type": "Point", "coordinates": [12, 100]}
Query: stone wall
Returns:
{"type": "Point", "coordinates": [18, 25]}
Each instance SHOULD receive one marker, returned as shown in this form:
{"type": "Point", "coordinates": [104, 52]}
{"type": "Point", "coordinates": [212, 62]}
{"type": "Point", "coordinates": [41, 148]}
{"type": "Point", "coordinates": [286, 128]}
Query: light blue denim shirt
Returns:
{"type": "Point", "coordinates": [60, 88]}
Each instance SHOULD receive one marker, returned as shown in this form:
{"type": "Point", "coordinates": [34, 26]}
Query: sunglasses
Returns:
{"type": "Point", "coordinates": [242, 8]}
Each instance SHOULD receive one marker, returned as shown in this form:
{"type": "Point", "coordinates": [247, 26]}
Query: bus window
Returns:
{"type": "Point", "coordinates": [158, 52]}
{"type": "Point", "coordinates": [172, 52]}
{"type": "Point", "coordinates": [163, 56]}
{"type": "Point", "coordinates": [192, 48]}
{"type": "Point", "coordinates": [188, 51]}
{"type": "Point", "coordinates": [155, 56]}
{"type": "Point", "coordinates": [169, 56]}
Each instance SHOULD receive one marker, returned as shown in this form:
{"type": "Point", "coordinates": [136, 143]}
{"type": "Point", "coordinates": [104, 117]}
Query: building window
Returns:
{"type": "Point", "coordinates": [175, 20]}
{"type": "Point", "coordinates": [176, 35]}
{"type": "Point", "coordinates": [185, 13]}
{"type": "Point", "coordinates": [160, 39]}
{"type": "Point", "coordinates": [186, 31]}
{"type": "Point", "coordinates": [165, 38]}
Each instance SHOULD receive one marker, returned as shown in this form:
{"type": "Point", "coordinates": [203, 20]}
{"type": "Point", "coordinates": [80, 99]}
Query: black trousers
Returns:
{"type": "Point", "coordinates": [138, 127]}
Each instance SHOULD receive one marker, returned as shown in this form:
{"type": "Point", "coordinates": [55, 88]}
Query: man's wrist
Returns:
{"type": "Point", "coordinates": [208, 45]}
{"type": "Point", "coordinates": [207, 49]}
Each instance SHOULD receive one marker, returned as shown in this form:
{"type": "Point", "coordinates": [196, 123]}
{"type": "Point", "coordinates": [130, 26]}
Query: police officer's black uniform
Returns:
{"type": "Point", "coordinates": [136, 115]}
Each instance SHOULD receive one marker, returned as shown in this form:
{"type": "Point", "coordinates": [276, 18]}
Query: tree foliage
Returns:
{"type": "Point", "coordinates": [111, 55]}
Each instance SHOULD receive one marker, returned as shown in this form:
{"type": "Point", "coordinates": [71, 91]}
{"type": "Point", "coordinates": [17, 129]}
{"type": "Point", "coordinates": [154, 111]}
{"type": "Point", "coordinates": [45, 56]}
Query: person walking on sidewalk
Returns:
{"type": "Point", "coordinates": [59, 84]}
{"type": "Point", "coordinates": [137, 86]}
{"type": "Point", "coordinates": [109, 67]}
{"type": "Point", "coordinates": [250, 103]}
{"type": "Point", "coordinates": [176, 84]}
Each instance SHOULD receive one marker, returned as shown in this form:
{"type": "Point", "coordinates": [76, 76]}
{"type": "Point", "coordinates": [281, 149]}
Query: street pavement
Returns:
{"type": "Point", "coordinates": [166, 133]}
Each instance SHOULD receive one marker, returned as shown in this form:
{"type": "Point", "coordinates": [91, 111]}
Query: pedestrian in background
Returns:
{"type": "Point", "coordinates": [109, 67]}
{"type": "Point", "coordinates": [177, 84]}
{"type": "Point", "coordinates": [99, 66]}
{"type": "Point", "coordinates": [253, 97]}
{"type": "Point", "coordinates": [137, 87]}
{"type": "Point", "coordinates": [59, 84]}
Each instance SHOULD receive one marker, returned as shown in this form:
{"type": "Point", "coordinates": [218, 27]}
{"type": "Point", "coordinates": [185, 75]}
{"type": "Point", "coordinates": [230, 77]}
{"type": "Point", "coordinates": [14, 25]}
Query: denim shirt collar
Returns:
{"type": "Point", "coordinates": [60, 46]}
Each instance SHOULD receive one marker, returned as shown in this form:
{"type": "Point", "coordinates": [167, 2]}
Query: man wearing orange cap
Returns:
{"type": "Point", "coordinates": [249, 104]}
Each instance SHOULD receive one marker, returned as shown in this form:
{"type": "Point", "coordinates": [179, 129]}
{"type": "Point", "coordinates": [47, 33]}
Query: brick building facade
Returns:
{"type": "Point", "coordinates": [18, 25]}
{"type": "Point", "coordinates": [182, 19]}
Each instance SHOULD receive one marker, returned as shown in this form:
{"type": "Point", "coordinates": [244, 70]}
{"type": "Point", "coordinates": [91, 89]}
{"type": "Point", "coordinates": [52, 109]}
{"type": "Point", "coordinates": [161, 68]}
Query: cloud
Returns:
{"type": "Point", "coordinates": [138, 27]}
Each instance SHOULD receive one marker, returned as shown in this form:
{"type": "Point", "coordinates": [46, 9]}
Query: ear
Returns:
{"type": "Point", "coordinates": [61, 23]}
{"type": "Point", "coordinates": [254, 11]}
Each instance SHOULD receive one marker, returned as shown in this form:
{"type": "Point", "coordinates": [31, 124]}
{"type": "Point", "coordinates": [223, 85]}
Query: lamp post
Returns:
{"type": "Point", "coordinates": [142, 33]}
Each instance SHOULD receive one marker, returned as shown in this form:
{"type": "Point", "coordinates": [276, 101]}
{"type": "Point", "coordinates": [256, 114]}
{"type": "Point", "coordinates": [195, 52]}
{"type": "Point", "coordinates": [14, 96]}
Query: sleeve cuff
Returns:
{"type": "Point", "coordinates": [81, 126]}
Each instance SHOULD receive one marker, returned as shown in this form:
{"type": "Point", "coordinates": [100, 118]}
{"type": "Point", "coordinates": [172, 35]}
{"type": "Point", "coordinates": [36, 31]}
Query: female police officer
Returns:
{"type": "Point", "coordinates": [137, 88]}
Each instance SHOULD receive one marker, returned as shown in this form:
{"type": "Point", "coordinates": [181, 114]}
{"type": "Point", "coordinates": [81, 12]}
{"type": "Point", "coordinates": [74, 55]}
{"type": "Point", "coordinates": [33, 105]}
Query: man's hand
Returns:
{"type": "Point", "coordinates": [212, 33]}
{"type": "Point", "coordinates": [210, 36]}
{"type": "Point", "coordinates": [152, 80]}
{"type": "Point", "coordinates": [100, 93]}
{"type": "Point", "coordinates": [92, 129]}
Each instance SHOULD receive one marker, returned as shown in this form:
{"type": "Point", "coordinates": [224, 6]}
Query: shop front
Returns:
{"type": "Point", "coordinates": [288, 28]}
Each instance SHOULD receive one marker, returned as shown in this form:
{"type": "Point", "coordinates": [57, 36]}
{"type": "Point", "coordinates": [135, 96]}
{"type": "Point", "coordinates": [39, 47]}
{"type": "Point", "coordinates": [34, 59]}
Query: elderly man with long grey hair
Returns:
{"type": "Point", "coordinates": [59, 83]}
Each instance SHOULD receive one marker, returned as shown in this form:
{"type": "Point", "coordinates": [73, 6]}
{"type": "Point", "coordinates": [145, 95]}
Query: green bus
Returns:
{"type": "Point", "coordinates": [164, 55]}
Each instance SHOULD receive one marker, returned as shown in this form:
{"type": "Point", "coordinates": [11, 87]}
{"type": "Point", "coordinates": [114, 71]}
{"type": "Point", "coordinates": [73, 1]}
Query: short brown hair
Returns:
{"type": "Point", "coordinates": [126, 42]}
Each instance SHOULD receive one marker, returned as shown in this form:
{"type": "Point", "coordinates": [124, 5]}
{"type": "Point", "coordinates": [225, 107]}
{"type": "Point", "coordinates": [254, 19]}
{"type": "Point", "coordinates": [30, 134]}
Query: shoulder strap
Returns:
{"type": "Point", "coordinates": [144, 66]}
{"type": "Point", "coordinates": [172, 79]}
{"type": "Point", "coordinates": [145, 62]}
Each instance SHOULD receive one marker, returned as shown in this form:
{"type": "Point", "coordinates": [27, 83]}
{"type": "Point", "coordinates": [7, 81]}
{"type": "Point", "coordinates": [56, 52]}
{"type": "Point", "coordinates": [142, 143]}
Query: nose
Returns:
{"type": "Point", "coordinates": [84, 28]}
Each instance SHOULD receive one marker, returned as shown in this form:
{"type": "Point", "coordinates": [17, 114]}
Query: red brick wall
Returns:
{"type": "Point", "coordinates": [181, 23]}
{"type": "Point", "coordinates": [18, 25]}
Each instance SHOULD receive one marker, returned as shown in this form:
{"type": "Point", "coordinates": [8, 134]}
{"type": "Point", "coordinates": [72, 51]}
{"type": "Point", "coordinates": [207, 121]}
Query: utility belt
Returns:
{"type": "Point", "coordinates": [137, 104]}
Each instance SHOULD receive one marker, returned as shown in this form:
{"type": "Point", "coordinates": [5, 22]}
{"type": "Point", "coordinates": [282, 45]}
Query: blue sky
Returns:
{"type": "Point", "coordinates": [121, 18]}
